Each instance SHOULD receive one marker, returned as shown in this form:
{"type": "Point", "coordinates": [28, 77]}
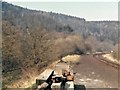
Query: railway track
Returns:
{"type": "Point", "coordinates": [90, 64]}
{"type": "Point", "coordinates": [107, 62]}
{"type": "Point", "coordinates": [94, 73]}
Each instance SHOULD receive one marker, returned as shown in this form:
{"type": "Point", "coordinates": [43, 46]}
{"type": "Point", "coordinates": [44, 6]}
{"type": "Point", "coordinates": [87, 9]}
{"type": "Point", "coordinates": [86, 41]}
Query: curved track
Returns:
{"type": "Point", "coordinates": [95, 74]}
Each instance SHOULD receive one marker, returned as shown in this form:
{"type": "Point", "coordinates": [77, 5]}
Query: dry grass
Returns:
{"type": "Point", "coordinates": [71, 58]}
{"type": "Point", "coordinates": [29, 77]}
{"type": "Point", "coordinates": [111, 58]}
{"type": "Point", "coordinates": [27, 81]}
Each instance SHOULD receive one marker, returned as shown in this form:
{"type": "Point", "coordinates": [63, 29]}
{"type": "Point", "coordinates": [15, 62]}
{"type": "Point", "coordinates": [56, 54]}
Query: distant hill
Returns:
{"type": "Point", "coordinates": [59, 22]}
{"type": "Point", "coordinates": [32, 18]}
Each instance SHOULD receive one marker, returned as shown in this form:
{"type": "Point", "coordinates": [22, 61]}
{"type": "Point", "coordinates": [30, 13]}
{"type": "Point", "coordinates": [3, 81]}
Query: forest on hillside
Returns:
{"type": "Point", "coordinates": [34, 39]}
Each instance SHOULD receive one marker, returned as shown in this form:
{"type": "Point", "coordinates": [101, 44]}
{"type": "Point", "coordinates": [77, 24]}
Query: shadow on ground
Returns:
{"type": "Point", "coordinates": [79, 87]}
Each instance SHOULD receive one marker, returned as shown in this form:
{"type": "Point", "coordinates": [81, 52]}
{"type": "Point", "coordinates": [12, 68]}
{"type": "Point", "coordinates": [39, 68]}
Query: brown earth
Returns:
{"type": "Point", "coordinates": [93, 73]}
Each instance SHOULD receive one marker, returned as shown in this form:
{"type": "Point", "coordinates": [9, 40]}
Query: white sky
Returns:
{"type": "Point", "coordinates": [91, 10]}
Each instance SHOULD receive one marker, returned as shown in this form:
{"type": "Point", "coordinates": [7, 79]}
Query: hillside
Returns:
{"type": "Point", "coordinates": [34, 39]}
{"type": "Point", "coordinates": [60, 22]}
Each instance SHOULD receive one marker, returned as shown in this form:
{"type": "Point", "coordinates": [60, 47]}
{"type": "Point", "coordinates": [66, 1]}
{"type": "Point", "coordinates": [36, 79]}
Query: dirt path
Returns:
{"type": "Point", "coordinates": [95, 74]}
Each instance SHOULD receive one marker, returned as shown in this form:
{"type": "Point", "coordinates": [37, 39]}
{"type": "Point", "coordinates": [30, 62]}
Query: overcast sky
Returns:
{"type": "Point", "coordinates": [91, 11]}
